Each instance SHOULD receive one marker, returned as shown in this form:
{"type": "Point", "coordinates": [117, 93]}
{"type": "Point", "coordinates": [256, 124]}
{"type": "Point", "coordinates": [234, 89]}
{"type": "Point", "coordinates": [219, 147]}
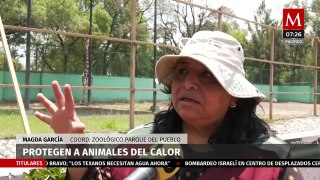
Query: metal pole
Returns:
{"type": "Point", "coordinates": [90, 55]}
{"type": "Point", "coordinates": [154, 105]}
{"type": "Point", "coordinates": [271, 72]}
{"type": "Point", "coordinates": [315, 75]}
{"type": "Point", "coordinates": [133, 60]}
{"type": "Point", "coordinates": [27, 73]}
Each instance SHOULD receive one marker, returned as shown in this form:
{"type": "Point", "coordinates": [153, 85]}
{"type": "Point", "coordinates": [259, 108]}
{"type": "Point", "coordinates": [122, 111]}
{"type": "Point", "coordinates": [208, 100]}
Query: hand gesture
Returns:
{"type": "Point", "coordinates": [63, 118]}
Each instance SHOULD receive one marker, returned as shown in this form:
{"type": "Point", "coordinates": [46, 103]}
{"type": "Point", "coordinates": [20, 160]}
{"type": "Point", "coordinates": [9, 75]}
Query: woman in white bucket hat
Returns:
{"type": "Point", "coordinates": [210, 94]}
{"type": "Point", "coordinates": [211, 101]}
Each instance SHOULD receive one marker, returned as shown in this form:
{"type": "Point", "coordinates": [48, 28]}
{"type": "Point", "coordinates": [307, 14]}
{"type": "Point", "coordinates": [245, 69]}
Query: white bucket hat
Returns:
{"type": "Point", "coordinates": [222, 54]}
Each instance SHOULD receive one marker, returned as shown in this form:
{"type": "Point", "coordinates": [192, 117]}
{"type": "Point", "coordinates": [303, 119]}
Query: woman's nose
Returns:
{"type": "Point", "coordinates": [191, 81]}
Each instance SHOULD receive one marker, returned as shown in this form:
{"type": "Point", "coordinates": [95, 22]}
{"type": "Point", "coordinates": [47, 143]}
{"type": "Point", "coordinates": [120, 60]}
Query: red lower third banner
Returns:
{"type": "Point", "coordinates": [19, 163]}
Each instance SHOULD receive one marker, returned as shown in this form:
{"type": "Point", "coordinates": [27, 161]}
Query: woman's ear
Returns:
{"type": "Point", "coordinates": [233, 102]}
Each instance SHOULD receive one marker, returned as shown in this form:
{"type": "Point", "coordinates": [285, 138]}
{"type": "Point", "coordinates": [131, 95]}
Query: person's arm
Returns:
{"type": "Point", "coordinates": [63, 118]}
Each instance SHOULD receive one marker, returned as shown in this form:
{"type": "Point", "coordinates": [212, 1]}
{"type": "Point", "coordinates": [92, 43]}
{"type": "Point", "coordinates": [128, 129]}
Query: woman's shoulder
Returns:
{"type": "Point", "coordinates": [273, 144]}
{"type": "Point", "coordinates": [269, 140]}
{"type": "Point", "coordinates": [142, 129]}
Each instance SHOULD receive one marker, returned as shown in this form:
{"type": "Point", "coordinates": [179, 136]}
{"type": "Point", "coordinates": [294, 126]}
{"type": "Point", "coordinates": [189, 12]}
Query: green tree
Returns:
{"type": "Point", "coordinates": [178, 20]}
{"type": "Point", "coordinates": [14, 12]}
{"type": "Point", "coordinates": [114, 57]}
{"type": "Point", "coordinates": [58, 15]}
{"type": "Point", "coordinates": [4, 65]}
{"type": "Point", "coordinates": [315, 9]}
{"type": "Point", "coordinates": [259, 46]}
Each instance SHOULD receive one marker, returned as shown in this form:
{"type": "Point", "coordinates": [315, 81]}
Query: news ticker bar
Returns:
{"type": "Point", "coordinates": [42, 163]}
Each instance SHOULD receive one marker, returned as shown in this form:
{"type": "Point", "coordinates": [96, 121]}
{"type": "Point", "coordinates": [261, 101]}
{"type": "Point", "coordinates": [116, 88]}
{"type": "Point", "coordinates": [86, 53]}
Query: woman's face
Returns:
{"type": "Point", "coordinates": [197, 96]}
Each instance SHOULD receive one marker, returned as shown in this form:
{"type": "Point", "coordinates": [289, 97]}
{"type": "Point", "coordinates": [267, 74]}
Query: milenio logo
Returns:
{"type": "Point", "coordinates": [293, 26]}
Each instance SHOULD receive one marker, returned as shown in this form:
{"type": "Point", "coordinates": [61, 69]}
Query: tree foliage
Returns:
{"type": "Point", "coordinates": [112, 18]}
{"type": "Point", "coordinates": [260, 47]}
{"type": "Point", "coordinates": [4, 64]}
{"type": "Point", "coordinates": [59, 53]}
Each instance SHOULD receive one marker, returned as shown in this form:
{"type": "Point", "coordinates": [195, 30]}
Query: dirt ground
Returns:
{"type": "Point", "coordinates": [280, 110]}
{"type": "Point", "coordinates": [287, 110]}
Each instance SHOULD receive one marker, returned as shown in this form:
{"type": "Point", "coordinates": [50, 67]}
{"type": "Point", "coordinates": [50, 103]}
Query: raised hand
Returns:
{"type": "Point", "coordinates": [63, 118]}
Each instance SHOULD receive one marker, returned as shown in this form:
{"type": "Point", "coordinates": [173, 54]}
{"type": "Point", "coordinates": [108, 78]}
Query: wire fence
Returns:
{"type": "Point", "coordinates": [269, 71]}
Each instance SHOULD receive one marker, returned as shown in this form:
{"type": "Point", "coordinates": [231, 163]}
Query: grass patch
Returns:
{"type": "Point", "coordinates": [119, 123]}
{"type": "Point", "coordinates": [11, 124]}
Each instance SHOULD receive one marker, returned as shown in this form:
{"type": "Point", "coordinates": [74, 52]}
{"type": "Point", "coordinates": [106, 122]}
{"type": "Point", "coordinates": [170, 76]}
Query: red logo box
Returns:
{"type": "Point", "coordinates": [293, 19]}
